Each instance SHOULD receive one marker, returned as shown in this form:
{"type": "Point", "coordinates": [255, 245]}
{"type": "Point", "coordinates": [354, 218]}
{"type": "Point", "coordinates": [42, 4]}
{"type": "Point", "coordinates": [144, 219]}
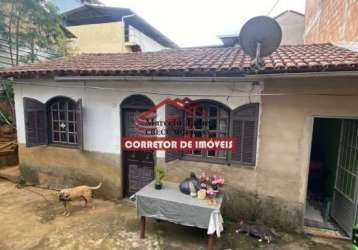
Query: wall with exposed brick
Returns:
{"type": "Point", "coordinates": [331, 21]}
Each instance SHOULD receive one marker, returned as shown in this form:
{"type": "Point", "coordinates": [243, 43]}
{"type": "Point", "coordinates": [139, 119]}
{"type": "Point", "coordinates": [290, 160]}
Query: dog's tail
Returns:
{"type": "Point", "coordinates": [97, 187]}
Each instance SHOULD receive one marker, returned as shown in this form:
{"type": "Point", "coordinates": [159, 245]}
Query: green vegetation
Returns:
{"type": "Point", "coordinates": [28, 175]}
{"type": "Point", "coordinates": [159, 175]}
{"type": "Point", "coordinates": [30, 28]}
{"type": "Point", "coordinates": [33, 25]}
{"type": "Point", "coordinates": [7, 116]}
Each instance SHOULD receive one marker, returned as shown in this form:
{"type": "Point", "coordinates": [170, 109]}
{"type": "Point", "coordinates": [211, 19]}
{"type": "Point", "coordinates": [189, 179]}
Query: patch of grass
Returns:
{"type": "Point", "coordinates": [20, 182]}
{"type": "Point", "coordinates": [28, 175]}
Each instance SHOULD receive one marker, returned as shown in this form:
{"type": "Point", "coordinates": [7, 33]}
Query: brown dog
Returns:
{"type": "Point", "coordinates": [80, 192]}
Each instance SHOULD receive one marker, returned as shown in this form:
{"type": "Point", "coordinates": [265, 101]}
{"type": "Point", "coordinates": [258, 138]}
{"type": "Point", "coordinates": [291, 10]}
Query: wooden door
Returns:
{"type": "Point", "coordinates": [139, 165]}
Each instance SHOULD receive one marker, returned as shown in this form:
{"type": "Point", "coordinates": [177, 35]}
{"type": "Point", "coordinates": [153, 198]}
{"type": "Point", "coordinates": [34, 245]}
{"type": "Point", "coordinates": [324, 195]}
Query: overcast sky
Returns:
{"type": "Point", "coordinates": [199, 22]}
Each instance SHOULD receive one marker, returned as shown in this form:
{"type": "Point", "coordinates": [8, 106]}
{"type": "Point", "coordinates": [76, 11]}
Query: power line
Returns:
{"type": "Point", "coordinates": [190, 95]}
{"type": "Point", "coordinates": [273, 7]}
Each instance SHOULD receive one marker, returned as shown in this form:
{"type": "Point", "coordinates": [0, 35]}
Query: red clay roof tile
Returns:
{"type": "Point", "coordinates": [196, 61]}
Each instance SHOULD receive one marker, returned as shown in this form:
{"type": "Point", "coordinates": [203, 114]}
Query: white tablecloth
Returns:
{"type": "Point", "coordinates": [171, 205]}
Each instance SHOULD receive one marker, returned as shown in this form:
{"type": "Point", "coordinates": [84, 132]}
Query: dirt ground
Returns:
{"type": "Point", "coordinates": [31, 218]}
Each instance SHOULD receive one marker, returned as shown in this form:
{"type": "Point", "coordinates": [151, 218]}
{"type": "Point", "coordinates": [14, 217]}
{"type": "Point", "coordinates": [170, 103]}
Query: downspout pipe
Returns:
{"type": "Point", "coordinates": [124, 27]}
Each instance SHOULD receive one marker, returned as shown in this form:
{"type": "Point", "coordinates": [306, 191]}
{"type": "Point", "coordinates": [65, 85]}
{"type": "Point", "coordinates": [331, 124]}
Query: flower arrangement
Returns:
{"type": "Point", "coordinates": [211, 181]}
{"type": "Point", "coordinates": [211, 185]}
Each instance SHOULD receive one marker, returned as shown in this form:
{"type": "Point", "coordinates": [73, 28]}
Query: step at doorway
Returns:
{"type": "Point", "coordinates": [331, 201]}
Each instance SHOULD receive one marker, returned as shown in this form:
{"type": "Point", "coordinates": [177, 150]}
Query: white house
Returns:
{"type": "Point", "coordinates": [72, 113]}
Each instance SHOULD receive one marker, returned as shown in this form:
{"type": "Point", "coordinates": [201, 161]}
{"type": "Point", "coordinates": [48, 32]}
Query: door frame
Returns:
{"type": "Point", "coordinates": [355, 198]}
{"type": "Point", "coordinates": [309, 134]}
{"type": "Point", "coordinates": [127, 105]}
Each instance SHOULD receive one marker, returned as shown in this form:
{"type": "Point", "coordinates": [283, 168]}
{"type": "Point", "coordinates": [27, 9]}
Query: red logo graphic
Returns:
{"type": "Point", "coordinates": [170, 134]}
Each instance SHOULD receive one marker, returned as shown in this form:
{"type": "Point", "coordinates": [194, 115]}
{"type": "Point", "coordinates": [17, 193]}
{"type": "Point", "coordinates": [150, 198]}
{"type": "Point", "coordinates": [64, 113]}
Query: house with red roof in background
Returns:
{"type": "Point", "coordinates": [301, 103]}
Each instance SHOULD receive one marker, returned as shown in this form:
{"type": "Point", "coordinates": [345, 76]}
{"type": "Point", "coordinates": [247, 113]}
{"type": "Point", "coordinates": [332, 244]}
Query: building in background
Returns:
{"type": "Point", "coordinates": [94, 28]}
{"type": "Point", "coordinates": [103, 29]}
{"type": "Point", "coordinates": [292, 24]}
{"type": "Point", "coordinates": [25, 52]}
{"type": "Point", "coordinates": [329, 21]}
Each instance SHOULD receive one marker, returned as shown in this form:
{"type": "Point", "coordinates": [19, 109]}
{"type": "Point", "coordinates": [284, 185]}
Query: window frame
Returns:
{"type": "Point", "coordinates": [37, 122]}
{"type": "Point", "coordinates": [227, 160]}
{"type": "Point", "coordinates": [74, 121]}
{"type": "Point", "coordinates": [205, 130]}
{"type": "Point", "coordinates": [249, 113]}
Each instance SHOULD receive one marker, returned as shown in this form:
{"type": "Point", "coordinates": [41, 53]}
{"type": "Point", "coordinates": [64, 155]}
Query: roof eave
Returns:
{"type": "Point", "coordinates": [177, 75]}
{"type": "Point", "coordinates": [244, 78]}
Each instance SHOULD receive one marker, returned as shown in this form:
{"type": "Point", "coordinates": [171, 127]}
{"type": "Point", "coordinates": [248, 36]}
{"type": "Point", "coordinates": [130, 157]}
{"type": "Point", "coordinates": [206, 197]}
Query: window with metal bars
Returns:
{"type": "Point", "coordinates": [212, 119]}
{"type": "Point", "coordinates": [63, 121]}
{"type": "Point", "coordinates": [207, 120]}
{"type": "Point", "coordinates": [59, 121]}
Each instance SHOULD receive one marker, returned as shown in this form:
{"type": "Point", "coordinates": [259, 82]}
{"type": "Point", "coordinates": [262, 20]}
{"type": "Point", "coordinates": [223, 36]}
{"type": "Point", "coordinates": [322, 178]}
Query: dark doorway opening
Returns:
{"type": "Point", "coordinates": [138, 166]}
{"type": "Point", "coordinates": [322, 172]}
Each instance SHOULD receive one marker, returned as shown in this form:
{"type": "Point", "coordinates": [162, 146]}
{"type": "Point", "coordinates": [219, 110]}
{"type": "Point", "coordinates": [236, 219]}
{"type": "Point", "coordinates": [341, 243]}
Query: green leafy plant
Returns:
{"type": "Point", "coordinates": [159, 175]}
{"type": "Point", "coordinates": [31, 28]}
{"type": "Point", "coordinates": [5, 118]}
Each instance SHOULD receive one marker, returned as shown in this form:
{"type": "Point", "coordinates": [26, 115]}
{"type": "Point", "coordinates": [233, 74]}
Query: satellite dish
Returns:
{"type": "Point", "coordinates": [260, 36]}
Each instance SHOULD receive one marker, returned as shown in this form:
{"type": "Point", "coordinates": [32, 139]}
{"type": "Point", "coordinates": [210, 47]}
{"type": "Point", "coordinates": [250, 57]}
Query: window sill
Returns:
{"type": "Point", "coordinates": [217, 161]}
{"type": "Point", "coordinates": [206, 160]}
{"type": "Point", "coordinates": [242, 165]}
{"type": "Point", "coordinates": [57, 145]}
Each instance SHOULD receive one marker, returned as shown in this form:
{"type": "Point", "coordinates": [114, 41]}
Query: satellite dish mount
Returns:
{"type": "Point", "coordinates": [259, 37]}
{"type": "Point", "coordinates": [258, 55]}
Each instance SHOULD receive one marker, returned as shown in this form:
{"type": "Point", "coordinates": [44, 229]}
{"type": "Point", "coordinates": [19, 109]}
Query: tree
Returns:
{"type": "Point", "coordinates": [29, 28]}
{"type": "Point", "coordinates": [33, 26]}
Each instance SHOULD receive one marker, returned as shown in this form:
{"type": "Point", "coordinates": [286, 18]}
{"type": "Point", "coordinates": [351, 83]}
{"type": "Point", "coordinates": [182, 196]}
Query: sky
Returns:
{"type": "Point", "coordinates": [199, 22]}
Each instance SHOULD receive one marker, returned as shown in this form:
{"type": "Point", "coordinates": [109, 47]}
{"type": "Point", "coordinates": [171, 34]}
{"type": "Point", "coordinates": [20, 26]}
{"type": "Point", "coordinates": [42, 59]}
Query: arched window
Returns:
{"type": "Point", "coordinates": [62, 116]}
{"type": "Point", "coordinates": [212, 119]}
{"type": "Point", "coordinates": [59, 121]}
{"type": "Point", "coordinates": [208, 119]}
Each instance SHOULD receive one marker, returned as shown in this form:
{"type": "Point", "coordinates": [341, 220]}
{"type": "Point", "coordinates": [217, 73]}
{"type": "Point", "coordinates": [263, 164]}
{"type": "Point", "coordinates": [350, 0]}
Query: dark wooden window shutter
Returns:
{"type": "Point", "coordinates": [79, 123]}
{"type": "Point", "coordinates": [244, 125]}
{"type": "Point", "coordinates": [35, 122]}
{"type": "Point", "coordinates": [170, 113]}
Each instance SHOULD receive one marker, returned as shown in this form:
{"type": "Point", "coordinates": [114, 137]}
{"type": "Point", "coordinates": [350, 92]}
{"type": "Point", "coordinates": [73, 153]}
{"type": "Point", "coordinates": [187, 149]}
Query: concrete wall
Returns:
{"type": "Point", "coordinates": [145, 42]}
{"type": "Point", "coordinates": [99, 38]}
{"type": "Point", "coordinates": [286, 131]}
{"type": "Point", "coordinates": [293, 26]}
{"type": "Point", "coordinates": [58, 167]}
{"type": "Point", "coordinates": [275, 191]}
{"type": "Point", "coordinates": [331, 21]}
{"type": "Point", "coordinates": [109, 38]}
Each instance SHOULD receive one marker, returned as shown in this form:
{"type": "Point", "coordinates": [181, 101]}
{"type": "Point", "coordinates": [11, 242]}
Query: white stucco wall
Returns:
{"type": "Point", "coordinates": [101, 103]}
{"type": "Point", "coordinates": [145, 42]}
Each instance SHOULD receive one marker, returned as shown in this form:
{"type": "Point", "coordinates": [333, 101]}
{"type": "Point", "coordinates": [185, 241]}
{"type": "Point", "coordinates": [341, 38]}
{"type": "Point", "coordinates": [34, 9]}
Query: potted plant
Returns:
{"type": "Point", "coordinates": [159, 175]}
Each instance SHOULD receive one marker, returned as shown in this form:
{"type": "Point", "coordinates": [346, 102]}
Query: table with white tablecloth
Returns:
{"type": "Point", "coordinates": [170, 204]}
